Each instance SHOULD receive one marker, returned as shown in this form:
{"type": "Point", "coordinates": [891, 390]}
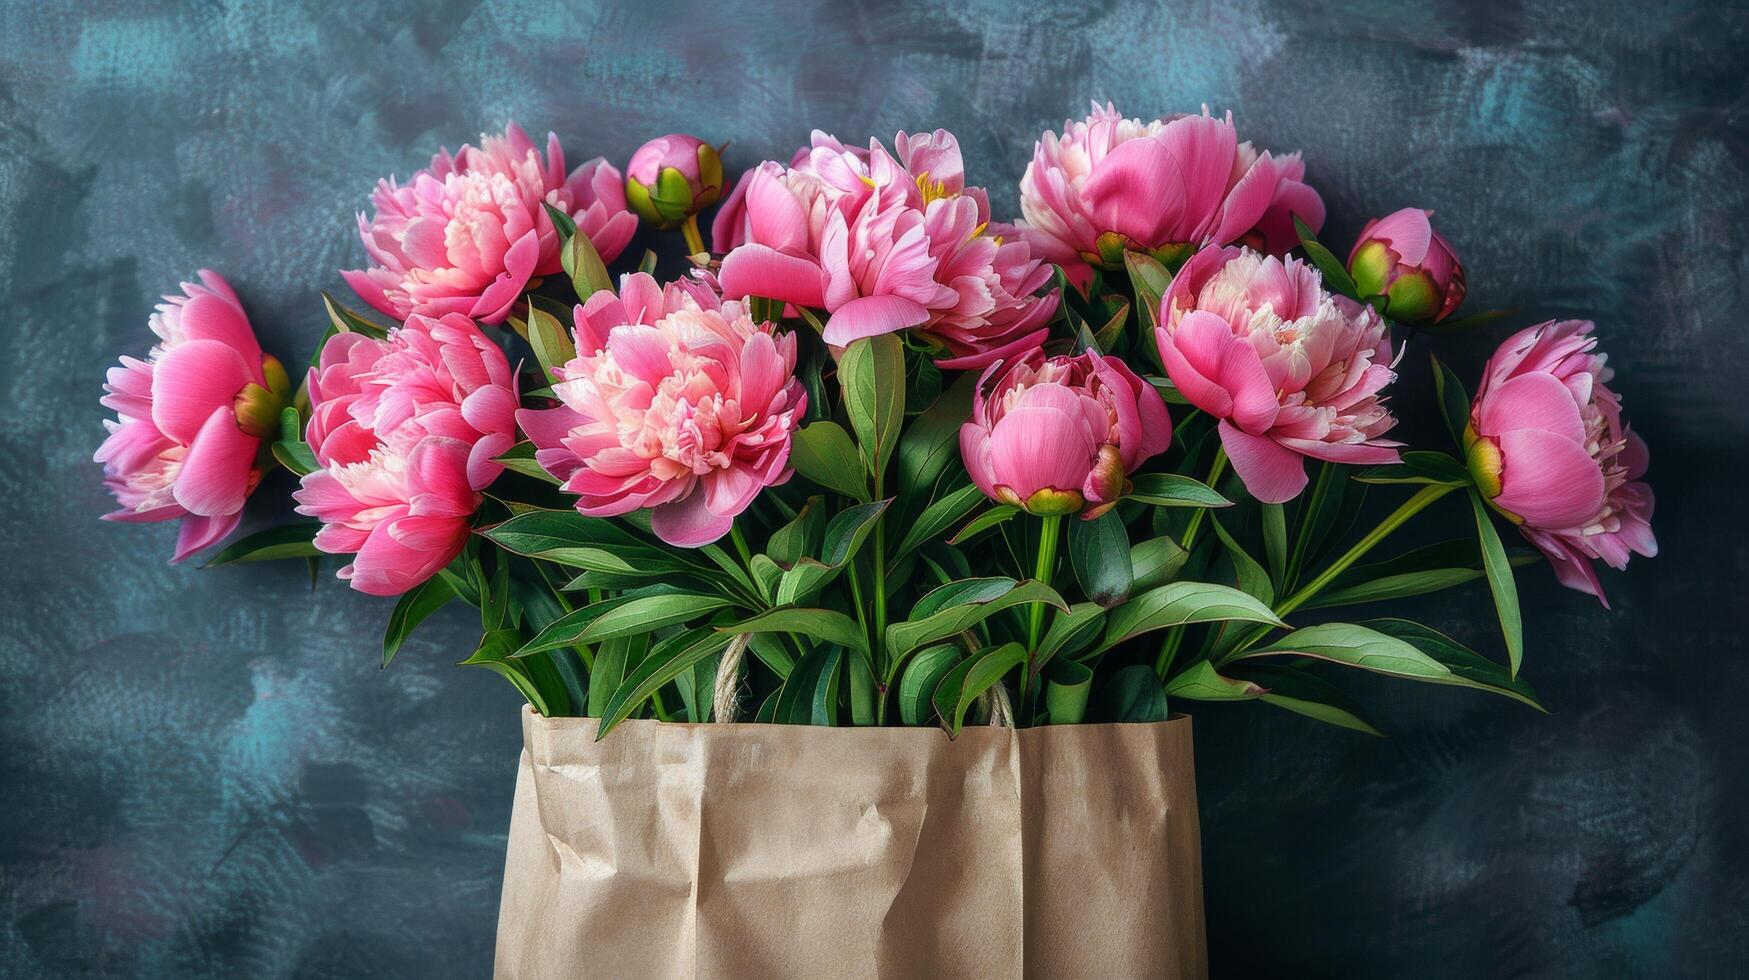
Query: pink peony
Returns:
{"type": "Point", "coordinates": [1401, 257]}
{"type": "Point", "coordinates": [1168, 187]}
{"type": "Point", "coordinates": [1288, 369]}
{"type": "Point", "coordinates": [467, 235]}
{"type": "Point", "coordinates": [673, 177]}
{"type": "Point", "coordinates": [886, 242]}
{"type": "Point", "coordinates": [406, 430]}
{"type": "Point", "coordinates": [190, 419]}
{"type": "Point", "coordinates": [1547, 447]}
{"type": "Point", "coordinates": [677, 402]}
{"type": "Point", "coordinates": [1057, 435]}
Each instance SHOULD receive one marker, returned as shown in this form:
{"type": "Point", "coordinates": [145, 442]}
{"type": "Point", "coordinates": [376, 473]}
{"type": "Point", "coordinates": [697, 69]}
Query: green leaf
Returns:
{"type": "Point", "coordinates": [1305, 694]}
{"type": "Point", "coordinates": [1173, 490]}
{"type": "Point", "coordinates": [285, 541]}
{"type": "Point", "coordinates": [1066, 691]}
{"type": "Point", "coordinates": [1253, 580]}
{"type": "Point", "coordinates": [1275, 541]}
{"type": "Point", "coordinates": [1151, 281]}
{"type": "Point", "coordinates": [823, 453]}
{"type": "Point", "coordinates": [1132, 695]}
{"type": "Point", "coordinates": [1071, 631]}
{"type": "Point", "coordinates": [921, 676]}
{"type": "Point", "coordinates": [1419, 466]}
{"type": "Point", "coordinates": [810, 694]}
{"type": "Point", "coordinates": [844, 536]}
{"type": "Point", "coordinates": [568, 629]}
{"type": "Point", "coordinates": [665, 661]}
{"type": "Point", "coordinates": [1181, 603]}
{"type": "Point", "coordinates": [550, 340]}
{"type": "Point", "coordinates": [801, 536]}
{"type": "Point", "coordinates": [520, 459]}
{"type": "Point", "coordinates": [961, 605]}
{"type": "Point", "coordinates": [296, 456]}
{"type": "Point", "coordinates": [579, 258]}
{"type": "Point", "coordinates": [1336, 278]}
{"type": "Point", "coordinates": [569, 538]}
{"type": "Point", "coordinates": [1156, 561]}
{"type": "Point", "coordinates": [1201, 682]}
{"type": "Point", "coordinates": [1454, 402]}
{"type": "Point", "coordinates": [1468, 668]}
{"type": "Point", "coordinates": [343, 320]}
{"type": "Point", "coordinates": [930, 444]}
{"type": "Point", "coordinates": [611, 663]}
{"type": "Point", "coordinates": [521, 682]}
{"type": "Point", "coordinates": [966, 682]}
{"type": "Point", "coordinates": [939, 516]}
{"type": "Point", "coordinates": [1099, 551]}
{"type": "Point", "coordinates": [1354, 646]}
{"type": "Point", "coordinates": [825, 625]}
{"type": "Point", "coordinates": [1388, 587]}
{"type": "Point", "coordinates": [872, 373]}
{"type": "Point", "coordinates": [1500, 582]}
{"type": "Point", "coordinates": [983, 522]}
{"type": "Point", "coordinates": [412, 609]}
{"type": "Point", "coordinates": [649, 613]}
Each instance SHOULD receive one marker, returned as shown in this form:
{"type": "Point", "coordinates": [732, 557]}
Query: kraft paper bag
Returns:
{"type": "Point", "coordinates": [746, 850]}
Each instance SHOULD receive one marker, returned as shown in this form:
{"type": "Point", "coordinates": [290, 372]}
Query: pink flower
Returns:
{"type": "Point", "coordinates": [886, 242]}
{"type": "Point", "coordinates": [677, 403]}
{"type": "Point", "coordinates": [1401, 257]}
{"type": "Point", "coordinates": [1288, 369]}
{"type": "Point", "coordinates": [1548, 448]}
{"type": "Point", "coordinates": [190, 419]}
{"type": "Point", "coordinates": [406, 430]}
{"type": "Point", "coordinates": [1168, 187]}
{"type": "Point", "coordinates": [1057, 435]}
{"type": "Point", "coordinates": [467, 234]}
{"type": "Point", "coordinates": [673, 177]}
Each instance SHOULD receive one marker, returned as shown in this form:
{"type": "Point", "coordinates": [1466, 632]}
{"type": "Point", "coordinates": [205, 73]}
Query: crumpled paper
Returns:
{"type": "Point", "coordinates": [745, 850]}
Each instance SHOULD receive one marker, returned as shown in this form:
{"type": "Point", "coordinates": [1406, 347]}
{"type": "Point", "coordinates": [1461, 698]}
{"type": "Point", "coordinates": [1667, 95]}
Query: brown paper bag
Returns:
{"type": "Point", "coordinates": [744, 850]}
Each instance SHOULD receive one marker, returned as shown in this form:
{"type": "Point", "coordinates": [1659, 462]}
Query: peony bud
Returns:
{"type": "Point", "coordinates": [1402, 258]}
{"type": "Point", "coordinates": [1060, 435]}
{"type": "Point", "coordinates": [671, 178]}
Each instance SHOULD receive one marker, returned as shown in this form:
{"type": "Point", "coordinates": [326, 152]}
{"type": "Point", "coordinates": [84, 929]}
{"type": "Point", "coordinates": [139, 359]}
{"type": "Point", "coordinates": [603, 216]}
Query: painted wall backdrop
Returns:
{"type": "Point", "coordinates": [206, 774]}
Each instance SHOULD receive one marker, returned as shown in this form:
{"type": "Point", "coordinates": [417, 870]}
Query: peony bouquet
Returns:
{"type": "Point", "coordinates": [872, 457]}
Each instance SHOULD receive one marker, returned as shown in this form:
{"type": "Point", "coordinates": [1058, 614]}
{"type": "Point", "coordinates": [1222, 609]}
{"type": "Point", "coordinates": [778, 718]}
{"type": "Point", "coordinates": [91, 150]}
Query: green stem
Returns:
{"type": "Point", "coordinates": [1414, 505]}
{"type": "Point", "coordinates": [878, 641]}
{"type": "Point", "coordinates": [689, 230]}
{"type": "Point", "coordinates": [1044, 570]}
{"type": "Point", "coordinates": [1216, 468]}
{"type": "Point", "coordinates": [1308, 513]}
{"type": "Point", "coordinates": [1168, 651]}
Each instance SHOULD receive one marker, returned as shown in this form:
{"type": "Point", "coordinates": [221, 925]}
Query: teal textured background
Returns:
{"type": "Point", "coordinates": [206, 774]}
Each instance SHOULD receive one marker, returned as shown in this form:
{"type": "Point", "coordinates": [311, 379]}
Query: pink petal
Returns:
{"type": "Point", "coordinates": [688, 522]}
{"type": "Point", "coordinates": [756, 270]}
{"type": "Point", "coordinates": [1549, 480]}
{"type": "Point", "coordinates": [199, 532]}
{"type": "Point", "coordinates": [191, 381]}
{"type": "Point", "coordinates": [494, 304]}
{"type": "Point", "coordinates": [1532, 401]}
{"type": "Point", "coordinates": [209, 317]}
{"type": "Point", "coordinates": [871, 316]}
{"type": "Point", "coordinates": [1273, 474]}
{"type": "Point", "coordinates": [215, 475]}
{"type": "Point", "coordinates": [1036, 448]}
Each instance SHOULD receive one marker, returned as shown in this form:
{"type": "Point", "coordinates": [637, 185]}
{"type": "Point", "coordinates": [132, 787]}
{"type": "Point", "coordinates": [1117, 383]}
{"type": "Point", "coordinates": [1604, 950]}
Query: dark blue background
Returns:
{"type": "Point", "coordinates": [206, 773]}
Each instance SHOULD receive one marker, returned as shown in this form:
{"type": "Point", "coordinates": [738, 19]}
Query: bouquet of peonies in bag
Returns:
{"type": "Point", "coordinates": [877, 459]}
